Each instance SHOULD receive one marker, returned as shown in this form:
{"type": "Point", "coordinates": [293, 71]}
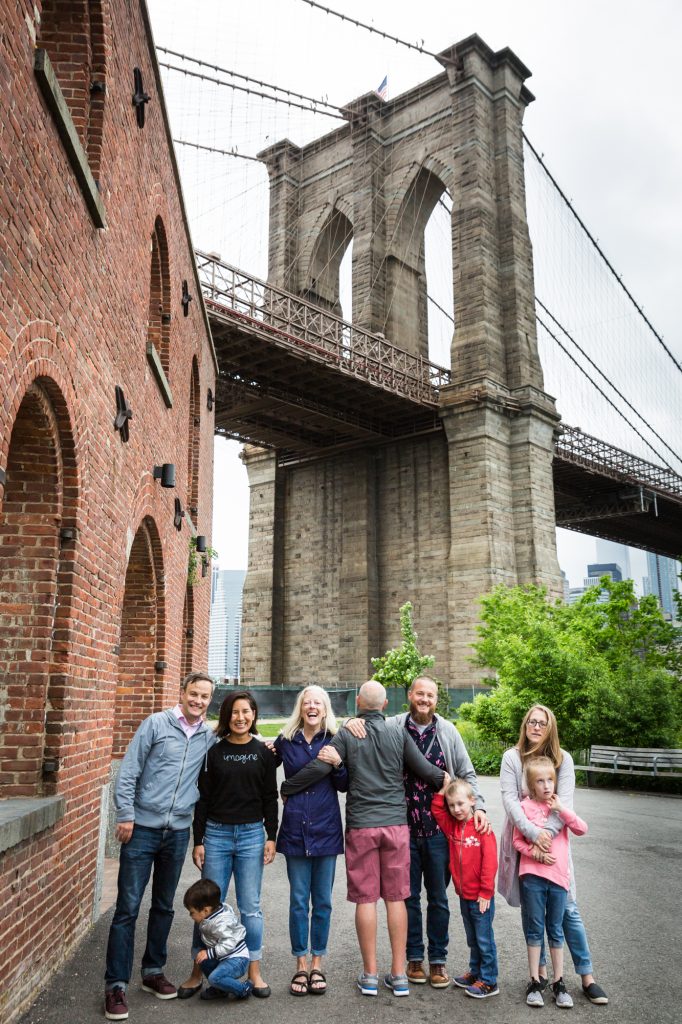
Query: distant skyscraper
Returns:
{"type": "Point", "coordinates": [609, 551]}
{"type": "Point", "coordinates": [224, 637]}
{"type": "Point", "coordinates": [605, 569]}
{"type": "Point", "coordinates": [663, 578]}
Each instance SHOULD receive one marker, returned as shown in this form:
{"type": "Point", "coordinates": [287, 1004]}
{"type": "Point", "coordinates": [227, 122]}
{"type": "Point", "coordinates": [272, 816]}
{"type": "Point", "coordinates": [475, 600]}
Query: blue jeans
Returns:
{"type": "Point", "coordinates": [544, 903]}
{"type": "Point", "coordinates": [574, 933]}
{"type": "Point", "coordinates": [163, 850]}
{"type": "Point", "coordinates": [478, 928]}
{"type": "Point", "coordinates": [225, 975]}
{"type": "Point", "coordinates": [428, 858]}
{"type": "Point", "coordinates": [238, 850]}
{"type": "Point", "coordinates": [311, 880]}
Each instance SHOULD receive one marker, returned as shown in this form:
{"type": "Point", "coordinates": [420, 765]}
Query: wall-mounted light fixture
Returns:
{"type": "Point", "coordinates": [186, 298]}
{"type": "Point", "coordinates": [179, 515]}
{"type": "Point", "coordinates": [166, 474]}
{"type": "Point", "coordinates": [140, 97]}
{"type": "Point", "coordinates": [201, 542]}
{"type": "Point", "coordinates": [3, 477]}
{"type": "Point", "coordinates": [67, 533]}
{"type": "Point", "coordinates": [209, 400]}
{"type": "Point", "coordinates": [123, 413]}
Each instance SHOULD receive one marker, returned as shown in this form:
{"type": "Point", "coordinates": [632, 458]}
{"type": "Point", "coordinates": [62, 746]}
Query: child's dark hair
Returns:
{"type": "Point", "coordinates": [204, 893]}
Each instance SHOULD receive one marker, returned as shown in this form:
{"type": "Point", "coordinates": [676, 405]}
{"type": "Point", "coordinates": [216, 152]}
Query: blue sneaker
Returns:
{"type": "Point", "coordinates": [368, 983]}
{"type": "Point", "coordinates": [397, 983]}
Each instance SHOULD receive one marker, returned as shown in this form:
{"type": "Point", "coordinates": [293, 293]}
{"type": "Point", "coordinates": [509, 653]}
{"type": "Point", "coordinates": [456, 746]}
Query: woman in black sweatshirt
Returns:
{"type": "Point", "coordinates": [235, 824]}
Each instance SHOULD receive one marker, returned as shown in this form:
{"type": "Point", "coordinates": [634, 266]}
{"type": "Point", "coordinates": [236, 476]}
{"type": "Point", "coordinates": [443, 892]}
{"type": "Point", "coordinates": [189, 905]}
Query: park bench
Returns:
{"type": "Point", "coordinates": [658, 762]}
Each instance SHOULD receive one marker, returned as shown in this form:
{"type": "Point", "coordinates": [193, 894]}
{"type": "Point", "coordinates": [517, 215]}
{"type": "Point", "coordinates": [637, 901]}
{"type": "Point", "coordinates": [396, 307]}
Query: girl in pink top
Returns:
{"type": "Point", "coordinates": [545, 884]}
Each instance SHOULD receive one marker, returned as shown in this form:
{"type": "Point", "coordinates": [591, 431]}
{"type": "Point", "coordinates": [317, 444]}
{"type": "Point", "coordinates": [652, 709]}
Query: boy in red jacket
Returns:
{"type": "Point", "coordinates": [473, 866]}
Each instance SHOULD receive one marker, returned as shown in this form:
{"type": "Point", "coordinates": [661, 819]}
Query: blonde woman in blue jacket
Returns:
{"type": "Point", "coordinates": [310, 836]}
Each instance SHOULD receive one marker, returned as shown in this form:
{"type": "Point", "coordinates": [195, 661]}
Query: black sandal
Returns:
{"type": "Point", "coordinates": [318, 976]}
{"type": "Point", "coordinates": [301, 984]}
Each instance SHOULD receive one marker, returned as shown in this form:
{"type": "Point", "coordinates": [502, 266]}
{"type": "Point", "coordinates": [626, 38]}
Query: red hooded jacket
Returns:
{"type": "Point", "coordinates": [473, 857]}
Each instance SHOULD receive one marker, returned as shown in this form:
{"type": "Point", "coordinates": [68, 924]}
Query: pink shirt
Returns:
{"type": "Point", "coordinates": [189, 728]}
{"type": "Point", "coordinates": [559, 872]}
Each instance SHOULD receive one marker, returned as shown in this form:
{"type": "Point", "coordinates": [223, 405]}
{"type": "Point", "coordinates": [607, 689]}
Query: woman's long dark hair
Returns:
{"type": "Point", "coordinates": [226, 712]}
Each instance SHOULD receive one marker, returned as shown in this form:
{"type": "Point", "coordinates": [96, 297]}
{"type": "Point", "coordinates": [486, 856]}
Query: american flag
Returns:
{"type": "Point", "coordinates": [382, 91]}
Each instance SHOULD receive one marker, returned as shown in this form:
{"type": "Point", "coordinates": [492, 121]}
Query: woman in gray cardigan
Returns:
{"type": "Point", "coordinates": [539, 737]}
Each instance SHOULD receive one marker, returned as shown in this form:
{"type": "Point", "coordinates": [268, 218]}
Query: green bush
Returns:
{"type": "Point", "coordinates": [610, 671]}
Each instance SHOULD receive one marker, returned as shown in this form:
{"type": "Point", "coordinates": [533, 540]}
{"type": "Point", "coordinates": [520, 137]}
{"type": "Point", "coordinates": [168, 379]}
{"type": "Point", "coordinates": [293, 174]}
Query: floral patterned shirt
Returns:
{"type": "Point", "coordinates": [418, 793]}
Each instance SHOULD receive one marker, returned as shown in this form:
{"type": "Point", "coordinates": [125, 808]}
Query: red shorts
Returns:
{"type": "Point", "coordinates": [378, 863]}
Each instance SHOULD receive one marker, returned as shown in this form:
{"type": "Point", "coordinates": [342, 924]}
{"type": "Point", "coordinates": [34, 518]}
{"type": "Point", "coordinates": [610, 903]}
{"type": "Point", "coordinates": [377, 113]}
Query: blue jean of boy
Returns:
{"type": "Point", "coordinates": [225, 975]}
{"type": "Point", "coordinates": [238, 850]}
{"type": "Point", "coordinates": [311, 880]}
{"type": "Point", "coordinates": [478, 928]}
{"type": "Point", "coordinates": [164, 851]}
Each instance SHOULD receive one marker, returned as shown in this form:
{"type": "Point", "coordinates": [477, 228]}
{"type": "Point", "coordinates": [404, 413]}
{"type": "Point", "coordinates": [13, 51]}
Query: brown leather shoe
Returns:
{"type": "Point", "coordinates": [438, 976]}
{"type": "Point", "coordinates": [415, 972]}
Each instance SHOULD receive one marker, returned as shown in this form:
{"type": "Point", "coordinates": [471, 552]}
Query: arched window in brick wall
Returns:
{"type": "Point", "coordinates": [193, 444]}
{"type": "Point", "coordinates": [142, 643]}
{"type": "Point", "coordinates": [37, 546]}
{"type": "Point", "coordinates": [158, 330]}
{"type": "Point", "coordinates": [188, 632]}
{"type": "Point", "coordinates": [72, 32]}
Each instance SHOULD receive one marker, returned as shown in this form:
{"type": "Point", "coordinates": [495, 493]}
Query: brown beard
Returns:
{"type": "Point", "coordinates": [419, 717]}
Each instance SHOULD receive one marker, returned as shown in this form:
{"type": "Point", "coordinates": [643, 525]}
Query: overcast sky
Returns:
{"type": "Point", "coordinates": [605, 74]}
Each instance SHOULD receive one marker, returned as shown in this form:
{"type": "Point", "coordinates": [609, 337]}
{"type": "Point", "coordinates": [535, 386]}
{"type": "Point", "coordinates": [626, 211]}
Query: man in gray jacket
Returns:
{"type": "Point", "coordinates": [377, 836]}
{"type": "Point", "coordinates": [441, 744]}
{"type": "Point", "coordinates": [155, 794]}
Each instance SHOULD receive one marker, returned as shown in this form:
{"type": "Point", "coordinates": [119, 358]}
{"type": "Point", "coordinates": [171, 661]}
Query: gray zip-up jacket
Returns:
{"type": "Point", "coordinates": [376, 795]}
{"type": "Point", "coordinates": [157, 781]}
{"type": "Point", "coordinates": [223, 934]}
{"type": "Point", "coordinates": [457, 761]}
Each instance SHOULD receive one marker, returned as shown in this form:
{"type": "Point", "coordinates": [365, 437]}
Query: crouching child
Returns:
{"type": "Point", "coordinates": [223, 955]}
{"type": "Point", "coordinates": [473, 866]}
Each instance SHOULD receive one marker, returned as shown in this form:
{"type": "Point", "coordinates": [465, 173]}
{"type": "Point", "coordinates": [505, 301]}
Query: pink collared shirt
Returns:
{"type": "Point", "coordinates": [187, 727]}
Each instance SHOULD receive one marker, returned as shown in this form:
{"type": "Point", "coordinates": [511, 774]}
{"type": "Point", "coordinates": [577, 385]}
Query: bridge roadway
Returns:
{"type": "Point", "coordinates": [299, 379]}
{"type": "Point", "coordinates": [627, 871]}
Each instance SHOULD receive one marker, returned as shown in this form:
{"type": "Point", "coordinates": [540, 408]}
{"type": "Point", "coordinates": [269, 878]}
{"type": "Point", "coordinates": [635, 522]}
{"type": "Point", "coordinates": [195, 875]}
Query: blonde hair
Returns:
{"type": "Point", "coordinates": [548, 746]}
{"type": "Point", "coordinates": [534, 766]}
{"type": "Point", "coordinates": [462, 784]}
{"type": "Point", "coordinates": [295, 721]}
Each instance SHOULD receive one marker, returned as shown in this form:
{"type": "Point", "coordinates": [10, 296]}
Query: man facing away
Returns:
{"type": "Point", "coordinates": [441, 744]}
{"type": "Point", "coordinates": [377, 836]}
{"type": "Point", "coordinates": [155, 794]}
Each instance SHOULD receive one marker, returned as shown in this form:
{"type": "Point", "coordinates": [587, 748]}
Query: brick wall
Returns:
{"type": "Point", "coordinates": [94, 607]}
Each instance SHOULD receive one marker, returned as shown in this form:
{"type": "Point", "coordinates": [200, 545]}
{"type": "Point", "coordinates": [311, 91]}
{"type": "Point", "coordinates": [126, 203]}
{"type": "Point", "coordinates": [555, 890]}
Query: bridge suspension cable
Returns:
{"type": "Point", "coordinates": [603, 393]}
{"type": "Point", "coordinates": [420, 48]}
{"type": "Point", "coordinates": [595, 243]}
{"type": "Point", "coordinates": [251, 92]}
{"type": "Point", "coordinates": [248, 78]}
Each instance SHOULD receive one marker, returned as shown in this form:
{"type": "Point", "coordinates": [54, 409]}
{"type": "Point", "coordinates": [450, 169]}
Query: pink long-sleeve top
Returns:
{"type": "Point", "coordinates": [559, 872]}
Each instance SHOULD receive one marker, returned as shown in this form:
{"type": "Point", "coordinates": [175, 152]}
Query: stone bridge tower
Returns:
{"type": "Point", "coordinates": [338, 544]}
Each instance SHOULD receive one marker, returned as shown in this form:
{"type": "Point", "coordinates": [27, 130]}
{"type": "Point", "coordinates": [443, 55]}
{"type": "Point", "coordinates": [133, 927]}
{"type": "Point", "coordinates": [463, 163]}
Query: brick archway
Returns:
{"type": "Point", "coordinates": [74, 34]}
{"type": "Point", "coordinates": [37, 550]}
{"type": "Point", "coordinates": [138, 691]}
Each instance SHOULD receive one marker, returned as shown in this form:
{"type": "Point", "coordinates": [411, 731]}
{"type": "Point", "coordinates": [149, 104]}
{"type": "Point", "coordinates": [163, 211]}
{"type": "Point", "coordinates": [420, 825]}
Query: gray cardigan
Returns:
{"type": "Point", "coordinates": [513, 789]}
{"type": "Point", "coordinates": [376, 794]}
{"type": "Point", "coordinates": [457, 761]}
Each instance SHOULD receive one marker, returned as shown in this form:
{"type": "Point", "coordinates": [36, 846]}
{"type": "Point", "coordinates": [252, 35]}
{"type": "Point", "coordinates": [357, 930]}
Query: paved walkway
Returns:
{"type": "Point", "coordinates": [628, 873]}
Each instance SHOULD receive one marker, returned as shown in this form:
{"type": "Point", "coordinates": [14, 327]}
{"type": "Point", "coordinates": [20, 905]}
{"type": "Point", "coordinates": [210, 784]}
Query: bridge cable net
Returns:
{"type": "Point", "coordinates": [202, 80]}
{"type": "Point", "coordinates": [611, 372]}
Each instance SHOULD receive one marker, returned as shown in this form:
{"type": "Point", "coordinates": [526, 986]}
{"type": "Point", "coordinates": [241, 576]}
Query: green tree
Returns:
{"type": "Point", "coordinates": [611, 671]}
{"type": "Point", "coordinates": [400, 665]}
